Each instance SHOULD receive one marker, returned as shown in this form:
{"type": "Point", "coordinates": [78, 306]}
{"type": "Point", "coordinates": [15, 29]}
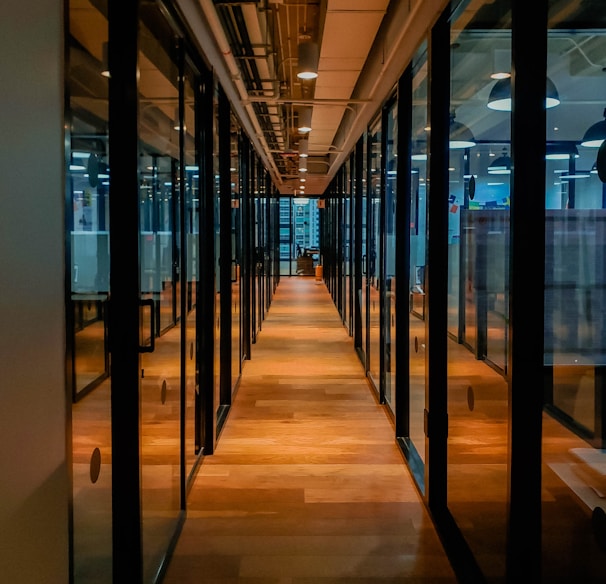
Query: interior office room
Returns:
{"type": "Point", "coordinates": [440, 171]}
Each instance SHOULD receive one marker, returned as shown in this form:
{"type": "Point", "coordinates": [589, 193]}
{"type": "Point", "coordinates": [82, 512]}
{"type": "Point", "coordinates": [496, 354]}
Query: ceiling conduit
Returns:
{"type": "Point", "coordinates": [207, 30]}
{"type": "Point", "coordinates": [257, 30]}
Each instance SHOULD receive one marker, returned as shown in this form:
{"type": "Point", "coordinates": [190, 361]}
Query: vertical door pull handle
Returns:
{"type": "Point", "coordinates": [152, 322]}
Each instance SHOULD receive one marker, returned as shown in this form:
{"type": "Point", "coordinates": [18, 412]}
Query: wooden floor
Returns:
{"type": "Point", "coordinates": [307, 485]}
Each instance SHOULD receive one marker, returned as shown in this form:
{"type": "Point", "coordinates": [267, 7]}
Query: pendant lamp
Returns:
{"type": "Point", "coordinates": [460, 135]}
{"type": "Point", "coordinates": [500, 165]}
{"type": "Point", "coordinates": [595, 134]}
{"type": "Point", "coordinates": [303, 148]}
{"type": "Point", "coordinates": [560, 151]}
{"type": "Point", "coordinates": [305, 119]}
{"type": "Point", "coordinates": [500, 95]}
{"type": "Point", "coordinates": [308, 55]}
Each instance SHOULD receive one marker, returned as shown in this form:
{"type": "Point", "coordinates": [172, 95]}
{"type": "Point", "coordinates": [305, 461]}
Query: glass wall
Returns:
{"type": "Point", "coordinates": [478, 218]}
{"type": "Point", "coordinates": [389, 280]}
{"type": "Point", "coordinates": [347, 246]}
{"type": "Point", "coordinates": [87, 237]}
{"type": "Point", "coordinates": [288, 251]}
{"type": "Point", "coordinates": [190, 178]}
{"type": "Point", "coordinates": [299, 235]}
{"type": "Point", "coordinates": [261, 250]}
{"type": "Point", "coordinates": [418, 260]}
{"type": "Point", "coordinates": [374, 249]}
{"type": "Point", "coordinates": [168, 203]}
{"type": "Point", "coordinates": [162, 126]}
{"type": "Point", "coordinates": [236, 254]}
{"type": "Point", "coordinates": [362, 261]}
{"type": "Point", "coordinates": [217, 248]}
{"type": "Point", "coordinates": [574, 525]}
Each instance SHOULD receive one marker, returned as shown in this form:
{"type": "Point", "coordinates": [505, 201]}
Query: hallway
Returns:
{"type": "Point", "coordinates": [307, 484]}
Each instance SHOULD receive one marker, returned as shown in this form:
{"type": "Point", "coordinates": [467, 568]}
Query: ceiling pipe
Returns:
{"type": "Point", "coordinates": [206, 29]}
{"type": "Point", "coordinates": [258, 31]}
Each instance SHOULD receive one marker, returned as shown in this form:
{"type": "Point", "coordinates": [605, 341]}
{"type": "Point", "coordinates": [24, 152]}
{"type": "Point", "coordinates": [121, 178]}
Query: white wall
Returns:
{"type": "Point", "coordinates": [33, 472]}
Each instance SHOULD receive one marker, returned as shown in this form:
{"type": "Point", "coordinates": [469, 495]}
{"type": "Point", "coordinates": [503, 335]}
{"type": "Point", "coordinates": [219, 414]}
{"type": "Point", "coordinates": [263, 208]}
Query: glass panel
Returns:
{"type": "Point", "coordinates": [160, 198]}
{"type": "Point", "coordinates": [257, 291]}
{"type": "Point", "coordinates": [87, 225]}
{"type": "Point", "coordinates": [89, 248]}
{"type": "Point", "coordinates": [306, 228]}
{"type": "Point", "coordinates": [574, 458]}
{"type": "Point", "coordinates": [362, 294]}
{"type": "Point", "coordinates": [261, 254]}
{"type": "Point", "coordinates": [347, 247]}
{"type": "Point", "coordinates": [288, 251]}
{"type": "Point", "coordinates": [418, 261]}
{"type": "Point", "coordinates": [192, 230]}
{"type": "Point", "coordinates": [391, 154]}
{"type": "Point", "coordinates": [236, 247]}
{"type": "Point", "coordinates": [477, 259]}
{"type": "Point", "coordinates": [217, 236]}
{"type": "Point", "coordinates": [374, 250]}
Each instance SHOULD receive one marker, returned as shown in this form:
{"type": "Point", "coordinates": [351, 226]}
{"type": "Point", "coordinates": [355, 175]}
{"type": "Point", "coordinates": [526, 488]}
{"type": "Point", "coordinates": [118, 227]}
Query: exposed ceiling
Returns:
{"type": "Point", "coordinates": [364, 46]}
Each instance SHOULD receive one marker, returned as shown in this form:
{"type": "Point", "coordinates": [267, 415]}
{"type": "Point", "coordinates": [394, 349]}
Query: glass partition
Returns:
{"type": "Point", "coordinates": [217, 264]}
{"type": "Point", "coordinates": [259, 251]}
{"type": "Point", "coordinates": [418, 262]}
{"type": "Point", "coordinates": [236, 255]}
{"type": "Point", "coordinates": [574, 459]}
{"type": "Point", "coordinates": [374, 252]}
{"type": "Point", "coordinates": [288, 251]}
{"type": "Point", "coordinates": [161, 122]}
{"type": "Point", "coordinates": [87, 237]}
{"type": "Point", "coordinates": [391, 157]}
{"type": "Point", "coordinates": [478, 219]}
{"type": "Point", "coordinates": [191, 225]}
{"type": "Point", "coordinates": [362, 265]}
{"type": "Point", "coordinates": [347, 247]}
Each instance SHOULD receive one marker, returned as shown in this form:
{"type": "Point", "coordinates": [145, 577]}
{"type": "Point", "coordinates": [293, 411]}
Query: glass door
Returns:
{"type": "Point", "coordinates": [87, 227]}
{"type": "Point", "coordinates": [361, 276]}
{"type": "Point", "coordinates": [374, 253]}
{"type": "Point", "coordinates": [162, 131]}
{"type": "Point", "coordinates": [190, 219]}
{"type": "Point", "coordinates": [389, 279]}
{"type": "Point", "coordinates": [574, 428]}
{"type": "Point", "coordinates": [478, 219]}
{"type": "Point", "coordinates": [289, 252]}
{"type": "Point", "coordinates": [236, 255]}
{"type": "Point", "coordinates": [417, 323]}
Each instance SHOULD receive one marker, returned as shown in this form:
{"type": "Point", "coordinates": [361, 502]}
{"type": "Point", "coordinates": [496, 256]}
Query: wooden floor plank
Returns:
{"type": "Point", "coordinates": [307, 484]}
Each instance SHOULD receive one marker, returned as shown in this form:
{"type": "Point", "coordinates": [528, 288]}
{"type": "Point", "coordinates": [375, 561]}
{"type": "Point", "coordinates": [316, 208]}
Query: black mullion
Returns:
{"type": "Point", "coordinates": [206, 311]}
{"type": "Point", "coordinates": [245, 170]}
{"type": "Point", "coordinates": [253, 251]}
{"type": "Point", "coordinates": [183, 272]}
{"type": "Point", "coordinates": [382, 267]}
{"type": "Point", "coordinates": [125, 292]}
{"type": "Point", "coordinates": [358, 194]}
{"type": "Point", "coordinates": [225, 246]}
{"type": "Point", "coordinates": [526, 289]}
{"type": "Point", "coordinates": [403, 219]}
{"type": "Point", "coordinates": [436, 427]}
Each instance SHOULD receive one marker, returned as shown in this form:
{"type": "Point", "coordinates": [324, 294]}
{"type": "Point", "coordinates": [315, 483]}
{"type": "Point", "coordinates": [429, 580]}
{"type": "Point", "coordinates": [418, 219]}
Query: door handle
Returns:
{"type": "Point", "coordinates": [152, 320]}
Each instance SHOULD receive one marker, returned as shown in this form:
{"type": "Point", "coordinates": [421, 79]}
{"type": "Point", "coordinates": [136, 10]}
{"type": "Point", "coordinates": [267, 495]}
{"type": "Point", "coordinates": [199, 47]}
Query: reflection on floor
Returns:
{"type": "Point", "coordinates": [307, 484]}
